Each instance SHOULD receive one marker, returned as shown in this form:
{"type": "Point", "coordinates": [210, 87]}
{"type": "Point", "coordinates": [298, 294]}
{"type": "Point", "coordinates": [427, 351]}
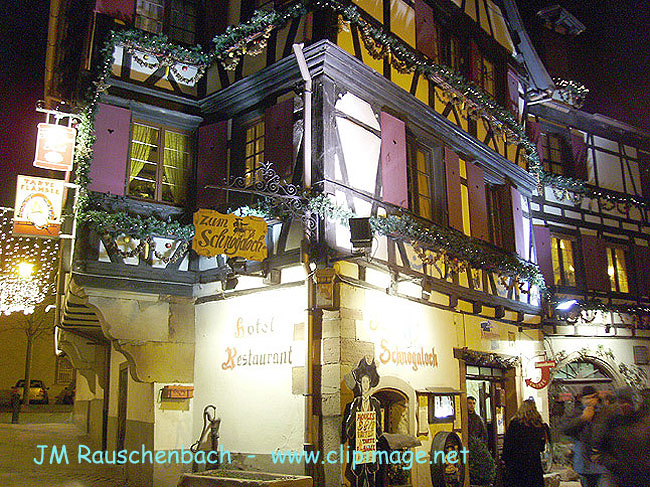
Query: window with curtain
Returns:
{"type": "Point", "coordinates": [617, 269]}
{"type": "Point", "coordinates": [253, 149]}
{"type": "Point", "coordinates": [563, 262]}
{"type": "Point", "coordinates": [159, 164]}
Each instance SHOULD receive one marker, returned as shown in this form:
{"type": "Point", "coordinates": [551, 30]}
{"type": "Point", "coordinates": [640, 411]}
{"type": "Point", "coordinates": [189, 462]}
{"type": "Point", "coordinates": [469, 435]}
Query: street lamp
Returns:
{"type": "Point", "coordinates": [25, 270]}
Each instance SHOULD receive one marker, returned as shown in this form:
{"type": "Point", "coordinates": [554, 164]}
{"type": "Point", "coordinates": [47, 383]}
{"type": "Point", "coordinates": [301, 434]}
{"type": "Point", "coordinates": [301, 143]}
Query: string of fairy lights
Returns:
{"type": "Point", "coordinates": [28, 268]}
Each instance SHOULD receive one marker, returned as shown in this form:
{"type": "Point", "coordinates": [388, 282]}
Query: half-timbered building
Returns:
{"type": "Point", "coordinates": [383, 144]}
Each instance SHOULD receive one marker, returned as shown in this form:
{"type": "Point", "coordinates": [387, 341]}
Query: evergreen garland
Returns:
{"type": "Point", "coordinates": [235, 42]}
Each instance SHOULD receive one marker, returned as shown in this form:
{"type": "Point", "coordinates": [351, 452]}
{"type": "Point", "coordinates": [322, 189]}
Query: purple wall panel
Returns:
{"type": "Point", "coordinates": [212, 164]}
{"type": "Point", "coordinates": [425, 30]}
{"type": "Point", "coordinates": [118, 9]}
{"type": "Point", "coordinates": [454, 205]}
{"type": "Point", "coordinates": [544, 253]}
{"type": "Point", "coordinates": [111, 149]}
{"type": "Point", "coordinates": [278, 138]}
{"type": "Point", "coordinates": [393, 161]}
{"type": "Point", "coordinates": [477, 202]}
{"type": "Point", "coordinates": [518, 224]}
{"type": "Point", "coordinates": [579, 150]}
{"type": "Point", "coordinates": [594, 259]}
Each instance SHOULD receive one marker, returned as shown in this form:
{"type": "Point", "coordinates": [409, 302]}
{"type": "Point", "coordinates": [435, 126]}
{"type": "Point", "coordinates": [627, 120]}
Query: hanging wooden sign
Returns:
{"type": "Point", "coordinates": [37, 211]}
{"type": "Point", "coordinates": [55, 147]}
{"type": "Point", "coordinates": [235, 236]}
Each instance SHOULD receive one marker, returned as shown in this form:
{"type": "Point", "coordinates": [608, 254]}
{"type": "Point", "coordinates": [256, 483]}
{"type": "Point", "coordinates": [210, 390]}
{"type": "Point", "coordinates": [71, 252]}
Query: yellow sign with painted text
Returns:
{"type": "Point", "coordinates": [235, 236]}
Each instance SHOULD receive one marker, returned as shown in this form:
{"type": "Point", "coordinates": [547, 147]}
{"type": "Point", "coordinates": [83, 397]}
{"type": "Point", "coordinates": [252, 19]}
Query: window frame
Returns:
{"type": "Point", "coordinates": [160, 150]}
{"type": "Point", "coordinates": [611, 249]}
{"type": "Point", "coordinates": [434, 153]}
{"type": "Point", "coordinates": [167, 27]}
{"type": "Point", "coordinates": [550, 164]}
{"type": "Point", "coordinates": [562, 280]}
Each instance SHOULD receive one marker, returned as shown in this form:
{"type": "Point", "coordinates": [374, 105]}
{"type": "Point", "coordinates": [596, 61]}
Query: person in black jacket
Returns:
{"type": "Point", "coordinates": [522, 445]}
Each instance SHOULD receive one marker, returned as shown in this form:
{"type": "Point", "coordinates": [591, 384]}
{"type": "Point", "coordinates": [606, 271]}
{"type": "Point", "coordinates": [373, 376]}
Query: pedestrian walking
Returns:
{"type": "Point", "coordinates": [625, 442]}
{"type": "Point", "coordinates": [582, 427]}
{"type": "Point", "coordinates": [524, 441]}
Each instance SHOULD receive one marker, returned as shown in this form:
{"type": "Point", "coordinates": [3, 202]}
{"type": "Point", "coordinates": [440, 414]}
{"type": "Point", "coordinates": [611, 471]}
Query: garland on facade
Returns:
{"type": "Point", "coordinates": [572, 92]}
{"type": "Point", "coordinates": [486, 359]}
{"type": "Point", "coordinates": [634, 375]}
{"type": "Point", "coordinates": [250, 38]}
{"type": "Point", "coordinates": [449, 244]}
{"type": "Point", "coordinates": [640, 313]}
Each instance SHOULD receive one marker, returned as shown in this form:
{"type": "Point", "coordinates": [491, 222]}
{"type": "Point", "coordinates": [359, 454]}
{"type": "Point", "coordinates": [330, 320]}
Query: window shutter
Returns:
{"type": "Point", "coordinates": [454, 205]}
{"type": "Point", "coordinates": [111, 149]}
{"type": "Point", "coordinates": [477, 64]}
{"type": "Point", "coordinates": [118, 9]}
{"type": "Point", "coordinates": [477, 202]}
{"type": "Point", "coordinates": [579, 149]}
{"type": "Point", "coordinates": [518, 224]}
{"type": "Point", "coordinates": [512, 96]}
{"type": "Point", "coordinates": [594, 260]}
{"type": "Point", "coordinates": [393, 161]}
{"type": "Point", "coordinates": [426, 40]}
{"type": "Point", "coordinates": [278, 138]}
{"type": "Point", "coordinates": [544, 253]}
{"type": "Point", "coordinates": [641, 259]}
{"type": "Point", "coordinates": [211, 164]}
{"type": "Point", "coordinates": [644, 171]}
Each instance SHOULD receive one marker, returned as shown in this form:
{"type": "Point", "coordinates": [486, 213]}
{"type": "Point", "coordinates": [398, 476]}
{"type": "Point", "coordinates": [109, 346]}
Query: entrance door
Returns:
{"type": "Point", "coordinates": [121, 405]}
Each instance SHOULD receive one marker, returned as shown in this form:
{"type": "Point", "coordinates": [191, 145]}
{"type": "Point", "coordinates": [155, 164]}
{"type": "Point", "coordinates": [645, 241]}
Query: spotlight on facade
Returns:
{"type": "Point", "coordinates": [360, 233]}
{"type": "Point", "coordinates": [566, 305]}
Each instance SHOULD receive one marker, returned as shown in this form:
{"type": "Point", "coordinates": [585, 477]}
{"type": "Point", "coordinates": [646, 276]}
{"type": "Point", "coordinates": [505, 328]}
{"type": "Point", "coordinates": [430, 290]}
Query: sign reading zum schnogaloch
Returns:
{"type": "Point", "coordinates": [235, 236]}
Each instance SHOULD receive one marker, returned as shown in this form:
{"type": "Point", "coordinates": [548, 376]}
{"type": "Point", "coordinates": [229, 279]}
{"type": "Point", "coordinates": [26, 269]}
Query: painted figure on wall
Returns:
{"type": "Point", "coordinates": [362, 423]}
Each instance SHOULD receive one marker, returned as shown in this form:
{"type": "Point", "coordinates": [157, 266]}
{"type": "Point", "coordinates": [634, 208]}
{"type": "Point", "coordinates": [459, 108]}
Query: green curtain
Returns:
{"type": "Point", "coordinates": [144, 139]}
{"type": "Point", "coordinates": [174, 164]}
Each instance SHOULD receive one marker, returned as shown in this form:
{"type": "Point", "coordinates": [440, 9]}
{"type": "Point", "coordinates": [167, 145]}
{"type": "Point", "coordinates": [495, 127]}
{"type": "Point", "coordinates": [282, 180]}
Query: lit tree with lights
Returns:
{"type": "Point", "coordinates": [28, 268]}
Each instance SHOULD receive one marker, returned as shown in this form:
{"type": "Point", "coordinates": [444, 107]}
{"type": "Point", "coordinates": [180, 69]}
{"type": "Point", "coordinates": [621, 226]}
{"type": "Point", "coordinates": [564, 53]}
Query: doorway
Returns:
{"type": "Point", "coordinates": [488, 386]}
{"type": "Point", "coordinates": [394, 419]}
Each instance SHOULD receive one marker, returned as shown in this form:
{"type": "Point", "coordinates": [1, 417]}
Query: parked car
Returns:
{"type": "Point", "coordinates": [37, 391]}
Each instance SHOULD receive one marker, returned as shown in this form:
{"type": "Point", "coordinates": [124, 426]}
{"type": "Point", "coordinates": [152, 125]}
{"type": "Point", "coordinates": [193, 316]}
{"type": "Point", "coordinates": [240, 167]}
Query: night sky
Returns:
{"type": "Point", "coordinates": [614, 54]}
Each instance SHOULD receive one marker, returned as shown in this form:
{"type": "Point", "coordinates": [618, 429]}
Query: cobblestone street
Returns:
{"type": "Point", "coordinates": [18, 448]}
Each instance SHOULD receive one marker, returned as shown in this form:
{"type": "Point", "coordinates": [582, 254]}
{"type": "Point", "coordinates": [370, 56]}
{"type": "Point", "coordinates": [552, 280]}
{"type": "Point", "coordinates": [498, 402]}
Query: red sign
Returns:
{"type": "Point", "coordinates": [546, 367]}
{"type": "Point", "coordinates": [54, 147]}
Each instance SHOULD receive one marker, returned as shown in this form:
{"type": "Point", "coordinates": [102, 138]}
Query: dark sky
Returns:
{"type": "Point", "coordinates": [612, 56]}
{"type": "Point", "coordinates": [23, 37]}
{"type": "Point", "coordinates": [614, 51]}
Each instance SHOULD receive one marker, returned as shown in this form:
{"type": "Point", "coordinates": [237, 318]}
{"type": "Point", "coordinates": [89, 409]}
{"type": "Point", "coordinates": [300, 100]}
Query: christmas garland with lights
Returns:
{"type": "Point", "coordinates": [249, 38]}
{"type": "Point", "coordinates": [486, 359]}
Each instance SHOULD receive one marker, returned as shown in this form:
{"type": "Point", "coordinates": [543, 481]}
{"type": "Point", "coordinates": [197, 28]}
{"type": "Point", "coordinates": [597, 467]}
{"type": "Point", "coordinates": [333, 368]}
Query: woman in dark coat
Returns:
{"type": "Point", "coordinates": [523, 443]}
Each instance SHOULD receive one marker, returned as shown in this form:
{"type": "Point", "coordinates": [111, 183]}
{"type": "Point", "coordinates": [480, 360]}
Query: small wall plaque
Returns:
{"type": "Point", "coordinates": [177, 392]}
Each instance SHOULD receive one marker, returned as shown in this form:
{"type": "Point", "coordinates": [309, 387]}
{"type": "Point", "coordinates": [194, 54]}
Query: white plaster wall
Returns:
{"type": "Point", "coordinates": [173, 421]}
{"type": "Point", "coordinates": [258, 410]}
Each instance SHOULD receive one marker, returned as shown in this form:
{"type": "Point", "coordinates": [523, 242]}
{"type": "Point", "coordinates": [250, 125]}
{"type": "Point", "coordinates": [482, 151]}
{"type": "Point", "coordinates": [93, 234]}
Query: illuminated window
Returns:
{"type": "Point", "coordinates": [563, 262]}
{"type": "Point", "coordinates": [616, 269]}
{"type": "Point", "coordinates": [159, 163]}
{"type": "Point", "coordinates": [553, 153]}
{"type": "Point", "coordinates": [253, 150]}
{"type": "Point", "coordinates": [175, 18]}
{"type": "Point", "coordinates": [420, 182]}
